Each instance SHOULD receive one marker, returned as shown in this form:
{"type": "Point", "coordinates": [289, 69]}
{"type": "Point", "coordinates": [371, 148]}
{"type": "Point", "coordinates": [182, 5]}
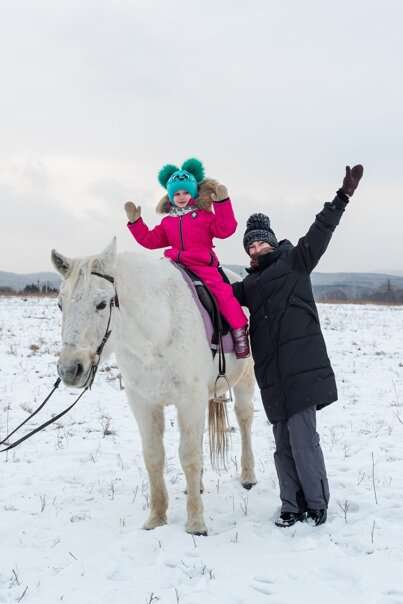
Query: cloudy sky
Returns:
{"type": "Point", "coordinates": [274, 97]}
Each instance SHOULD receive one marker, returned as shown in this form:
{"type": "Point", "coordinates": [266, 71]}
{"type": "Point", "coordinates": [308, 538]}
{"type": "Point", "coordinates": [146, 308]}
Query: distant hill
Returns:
{"type": "Point", "coordinates": [376, 287]}
{"type": "Point", "coordinates": [360, 280]}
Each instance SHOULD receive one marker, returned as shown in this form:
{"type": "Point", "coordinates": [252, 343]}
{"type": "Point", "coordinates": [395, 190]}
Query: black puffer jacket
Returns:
{"type": "Point", "coordinates": [292, 368]}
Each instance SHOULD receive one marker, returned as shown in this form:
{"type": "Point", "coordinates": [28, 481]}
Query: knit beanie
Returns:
{"type": "Point", "coordinates": [258, 229]}
{"type": "Point", "coordinates": [187, 178]}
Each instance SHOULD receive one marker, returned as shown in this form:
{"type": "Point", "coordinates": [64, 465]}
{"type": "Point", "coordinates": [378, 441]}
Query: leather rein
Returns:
{"type": "Point", "coordinates": [114, 302]}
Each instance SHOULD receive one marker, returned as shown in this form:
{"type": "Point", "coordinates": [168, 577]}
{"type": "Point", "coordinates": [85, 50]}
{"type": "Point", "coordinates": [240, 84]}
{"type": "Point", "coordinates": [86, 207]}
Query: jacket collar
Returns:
{"type": "Point", "coordinates": [266, 260]}
{"type": "Point", "coordinates": [175, 211]}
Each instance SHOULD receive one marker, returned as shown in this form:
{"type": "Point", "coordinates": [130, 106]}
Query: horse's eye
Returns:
{"type": "Point", "coordinates": [101, 305]}
{"type": "Point", "coordinates": [59, 304]}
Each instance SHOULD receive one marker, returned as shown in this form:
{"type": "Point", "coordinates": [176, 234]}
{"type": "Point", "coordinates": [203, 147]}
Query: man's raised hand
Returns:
{"type": "Point", "coordinates": [352, 178]}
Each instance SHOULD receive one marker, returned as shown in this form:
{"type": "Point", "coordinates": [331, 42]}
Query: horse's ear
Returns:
{"type": "Point", "coordinates": [61, 263]}
{"type": "Point", "coordinates": [109, 253]}
{"type": "Point", "coordinates": [106, 260]}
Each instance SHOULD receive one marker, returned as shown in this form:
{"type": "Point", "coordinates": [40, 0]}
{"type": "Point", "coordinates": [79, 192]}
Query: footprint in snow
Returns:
{"type": "Point", "coordinates": [80, 517]}
{"type": "Point", "coordinates": [394, 593]}
{"type": "Point", "coordinates": [263, 585]}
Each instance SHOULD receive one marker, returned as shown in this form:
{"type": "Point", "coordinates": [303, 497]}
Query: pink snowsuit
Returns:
{"type": "Point", "coordinates": [189, 239]}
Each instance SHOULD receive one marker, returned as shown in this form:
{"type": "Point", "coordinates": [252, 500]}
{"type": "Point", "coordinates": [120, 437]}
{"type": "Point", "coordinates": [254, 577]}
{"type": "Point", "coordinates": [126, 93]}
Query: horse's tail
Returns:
{"type": "Point", "coordinates": [219, 433]}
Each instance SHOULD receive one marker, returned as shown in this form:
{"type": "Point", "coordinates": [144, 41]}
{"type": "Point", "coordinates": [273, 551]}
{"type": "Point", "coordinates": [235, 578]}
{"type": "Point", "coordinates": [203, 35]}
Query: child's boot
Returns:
{"type": "Point", "coordinates": [241, 342]}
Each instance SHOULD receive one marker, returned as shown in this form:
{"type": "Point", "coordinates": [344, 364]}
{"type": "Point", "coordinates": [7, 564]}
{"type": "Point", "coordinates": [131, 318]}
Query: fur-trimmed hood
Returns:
{"type": "Point", "coordinates": [203, 201]}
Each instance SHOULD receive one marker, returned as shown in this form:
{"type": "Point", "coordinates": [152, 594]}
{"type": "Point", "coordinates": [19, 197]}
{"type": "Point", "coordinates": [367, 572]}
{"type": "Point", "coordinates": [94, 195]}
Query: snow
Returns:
{"type": "Point", "coordinates": [73, 498]}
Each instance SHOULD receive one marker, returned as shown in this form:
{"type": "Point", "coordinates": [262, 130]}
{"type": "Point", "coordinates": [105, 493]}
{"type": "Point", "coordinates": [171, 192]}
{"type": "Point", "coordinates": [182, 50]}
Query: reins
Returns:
{"type": "Point", "coordinates": [87, 386]}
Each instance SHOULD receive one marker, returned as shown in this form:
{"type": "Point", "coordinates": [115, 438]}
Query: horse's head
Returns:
{"type": "Point", "coordinates": [85, 301]}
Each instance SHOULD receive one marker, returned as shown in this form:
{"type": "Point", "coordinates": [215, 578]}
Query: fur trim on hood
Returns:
{"type": "Point", "coordinates": [203, 201]}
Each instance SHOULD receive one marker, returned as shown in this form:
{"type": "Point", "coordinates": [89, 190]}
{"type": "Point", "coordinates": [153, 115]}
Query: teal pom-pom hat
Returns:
{"type": "Point", "coordinates": [187, 178]}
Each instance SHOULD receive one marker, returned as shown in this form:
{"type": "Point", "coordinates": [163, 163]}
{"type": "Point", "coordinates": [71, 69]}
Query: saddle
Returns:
{"type": "Point", "coordinates": [217, 328]}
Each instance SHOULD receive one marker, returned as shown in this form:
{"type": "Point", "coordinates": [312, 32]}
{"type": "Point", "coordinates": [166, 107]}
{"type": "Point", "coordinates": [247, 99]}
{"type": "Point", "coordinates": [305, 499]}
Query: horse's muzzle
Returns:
{"type": "Point", "coordinates": [71, 372]}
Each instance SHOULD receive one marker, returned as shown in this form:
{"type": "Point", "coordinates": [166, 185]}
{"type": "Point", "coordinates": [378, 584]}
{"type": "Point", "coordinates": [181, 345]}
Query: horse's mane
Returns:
{"type": "Point", "coordinates": [81, 268]}
{"type": "Point", "coordinates": [133, 261]}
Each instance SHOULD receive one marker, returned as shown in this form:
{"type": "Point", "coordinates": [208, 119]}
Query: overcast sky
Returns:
{"type": "Point", "coordinates": [275, 97]}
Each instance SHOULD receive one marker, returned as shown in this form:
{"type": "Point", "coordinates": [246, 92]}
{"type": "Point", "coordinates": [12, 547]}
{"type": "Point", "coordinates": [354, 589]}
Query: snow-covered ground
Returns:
{"type": "Point", "coordinates": [73, 498]}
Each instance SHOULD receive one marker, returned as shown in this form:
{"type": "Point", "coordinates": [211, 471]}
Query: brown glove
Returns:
{"type": "Point", "coordinates": [133, 212]}
{"type": "Point", "coordinates": [351, 179]}
{"type": "Point", "coordinates": [221, 193]}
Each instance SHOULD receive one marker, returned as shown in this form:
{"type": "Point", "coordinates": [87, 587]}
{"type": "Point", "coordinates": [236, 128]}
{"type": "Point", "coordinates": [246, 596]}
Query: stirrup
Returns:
{"type": "Point", "coordinates": [223, 398]}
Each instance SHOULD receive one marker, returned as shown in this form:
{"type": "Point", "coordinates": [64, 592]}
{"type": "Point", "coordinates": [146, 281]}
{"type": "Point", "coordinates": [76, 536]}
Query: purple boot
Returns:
{"type": "Point", "coordinates": [241, 342]}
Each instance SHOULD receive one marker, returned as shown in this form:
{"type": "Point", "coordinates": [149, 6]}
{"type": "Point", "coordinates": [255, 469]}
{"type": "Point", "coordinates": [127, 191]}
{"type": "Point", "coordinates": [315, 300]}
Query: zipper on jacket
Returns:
{"type": "Point", "coordinates": [280, 321]}
{"type": "Point", "coordinates": [181, 233]}
{"type": "Point", "coordinates": [181, 238]}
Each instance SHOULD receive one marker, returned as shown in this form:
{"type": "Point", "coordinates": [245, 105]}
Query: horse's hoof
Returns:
{"type": "Point", "coordinates": [198, 533]}
{"type": "Point", "coordinates": [153, 523]}
{"type": "Point", "coordinates": [248, 485]}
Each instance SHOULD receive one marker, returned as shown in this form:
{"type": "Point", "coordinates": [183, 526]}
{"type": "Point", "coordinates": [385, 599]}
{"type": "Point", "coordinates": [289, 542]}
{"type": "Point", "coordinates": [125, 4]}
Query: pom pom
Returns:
{"type": "Point", "coordinates": [165, 174]}
{"type": "Point", "coordinates": [258, 221]}
{"type": "Point", "coordinates": [194, 167]}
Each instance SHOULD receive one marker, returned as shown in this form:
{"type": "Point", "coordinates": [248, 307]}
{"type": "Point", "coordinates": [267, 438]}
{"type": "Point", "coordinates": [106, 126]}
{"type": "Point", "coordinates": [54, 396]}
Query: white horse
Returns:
{"type": "Point", "coordinates": [159, 340]}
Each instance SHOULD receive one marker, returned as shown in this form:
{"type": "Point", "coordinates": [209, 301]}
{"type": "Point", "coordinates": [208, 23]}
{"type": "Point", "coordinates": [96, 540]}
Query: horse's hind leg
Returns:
{"type": "Point", "coordinates": [150, 420]}
{"type": "Point", "coordinates": [191, 417]}
{"type": "Point", "coordinates": [244, 390]}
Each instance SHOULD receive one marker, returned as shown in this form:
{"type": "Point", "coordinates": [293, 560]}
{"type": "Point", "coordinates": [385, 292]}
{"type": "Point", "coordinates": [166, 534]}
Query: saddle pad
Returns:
{"type": "Point", "coordinates": [227, 341]}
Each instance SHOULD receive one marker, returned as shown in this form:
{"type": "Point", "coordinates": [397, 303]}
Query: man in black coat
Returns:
{"type": "Point", "coordinates": [292, 368]}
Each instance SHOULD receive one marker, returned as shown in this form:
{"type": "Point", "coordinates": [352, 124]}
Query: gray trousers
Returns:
{"type": "Point", "coordinates": [299, 463]}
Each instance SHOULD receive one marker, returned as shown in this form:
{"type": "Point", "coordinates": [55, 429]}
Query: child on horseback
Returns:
{"type": "Point", "coordinates": [188, 230]}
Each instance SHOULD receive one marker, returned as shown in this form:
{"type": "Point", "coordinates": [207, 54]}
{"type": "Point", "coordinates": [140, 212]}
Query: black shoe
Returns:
{"type": "Point", "coordinates": [317, 516]}
{"type": "Point", "coordinates": [289, 519]}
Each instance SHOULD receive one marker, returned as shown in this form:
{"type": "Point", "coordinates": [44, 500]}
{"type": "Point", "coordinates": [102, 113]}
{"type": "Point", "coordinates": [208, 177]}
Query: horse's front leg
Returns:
{"type": "Point", "coordinates": [244, 391]}
{"type": "Point", "coordinates": [191, 418]}
{"type": "Point", "coordinates": [150, 419]}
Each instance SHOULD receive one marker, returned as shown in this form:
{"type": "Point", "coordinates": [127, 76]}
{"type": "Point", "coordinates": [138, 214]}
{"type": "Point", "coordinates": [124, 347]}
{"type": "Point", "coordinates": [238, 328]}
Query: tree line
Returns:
{"type": "Point", "coordinates": [385, 294]}
{"type": "Point", "coordinates": [36, 289]}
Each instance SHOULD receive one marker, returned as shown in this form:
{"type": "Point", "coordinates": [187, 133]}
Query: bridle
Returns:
{"type": "Point", "coordinates": [114, 302]}
{"type": "Point", "coordinates": [115, 299]}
